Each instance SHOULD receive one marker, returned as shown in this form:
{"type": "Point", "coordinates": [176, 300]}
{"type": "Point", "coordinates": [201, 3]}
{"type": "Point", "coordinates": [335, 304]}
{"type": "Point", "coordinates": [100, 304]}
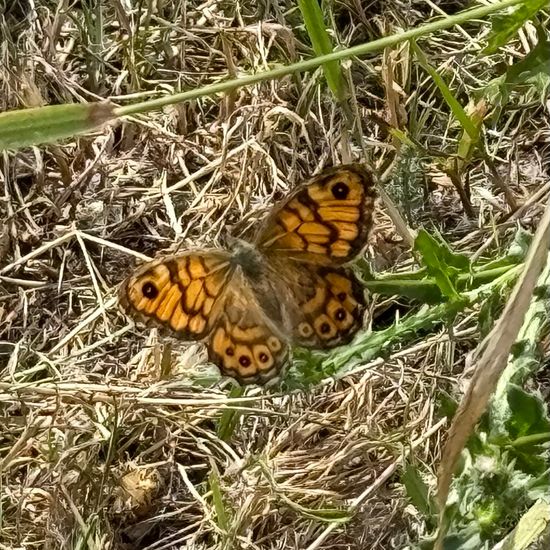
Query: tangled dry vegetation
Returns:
{"type": "Point", "coordinates": [106, 441]}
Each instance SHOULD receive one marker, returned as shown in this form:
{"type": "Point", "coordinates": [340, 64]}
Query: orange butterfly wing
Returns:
{"type": "Point", "coordinates": [180, 292]}
{"type": "Point", "coordinates": [199, 295]}
{"type": "Point", "coordinates": [326, 220]}
{"type": "Point", "coordinates": [325, 223]}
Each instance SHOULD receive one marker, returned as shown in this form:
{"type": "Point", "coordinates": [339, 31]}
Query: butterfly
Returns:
{"type": "Point", "coordinates": [289, 286]}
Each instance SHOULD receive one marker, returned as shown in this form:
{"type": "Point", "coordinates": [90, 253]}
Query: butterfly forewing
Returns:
{"type": "Point", "coordinates": [326, 220]}
{"type": "Point", "coordinates": [180, 292]}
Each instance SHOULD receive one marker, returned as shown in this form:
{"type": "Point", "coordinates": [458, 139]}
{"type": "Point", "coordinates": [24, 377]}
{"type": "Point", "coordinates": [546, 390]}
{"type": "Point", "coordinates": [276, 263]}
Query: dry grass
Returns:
{"type": "Point", "coordinates": [105, 441]}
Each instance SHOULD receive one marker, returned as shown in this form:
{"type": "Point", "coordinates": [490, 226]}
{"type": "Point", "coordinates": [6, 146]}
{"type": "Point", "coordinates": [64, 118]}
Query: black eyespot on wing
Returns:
{"type": "Point", "coordinates": [340, 190]}
{"type": "Point", "coordinates": [244, 360]}
{"type": "Point", "coordinates": [149, 290]}
{"type": "Point", "coordinates": [325, 328]}
{"type": "Point", "coordinates": [340, 314]}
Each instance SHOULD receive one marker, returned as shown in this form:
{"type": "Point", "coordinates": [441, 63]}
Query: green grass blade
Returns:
{"type": "Point", "coordinates": [456, 108]}
{"type": "Point", "coordinates": [322, 45]}
{"type": "Point", "coordinates": [26, 127]}
{"type": "Point", "coordinates": [230, 417]}
{"type": "Point", "coordinates": [217, 498]}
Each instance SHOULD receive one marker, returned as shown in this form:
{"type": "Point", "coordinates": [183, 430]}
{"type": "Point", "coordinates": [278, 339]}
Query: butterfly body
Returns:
{"type": "Point", "coordinates": [289, 286]}
{"type": "Point", "coordinates": [246, 257]}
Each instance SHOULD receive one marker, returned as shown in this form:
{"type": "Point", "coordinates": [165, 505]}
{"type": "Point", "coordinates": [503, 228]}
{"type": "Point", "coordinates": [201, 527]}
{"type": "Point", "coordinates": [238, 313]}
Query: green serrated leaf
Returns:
{"type": "Point", "coordinates": [506, 26]}
{"type": "Point", "coordinates": [441, 262]}
{"type": "Point", "coordinates": [532, 71]}
{"type": "Point", "coordinates": [535, 62]}
{"type": "Point", "coordinates": [452, 259]}
{"type": "Point", "coordinates": [418, 492]}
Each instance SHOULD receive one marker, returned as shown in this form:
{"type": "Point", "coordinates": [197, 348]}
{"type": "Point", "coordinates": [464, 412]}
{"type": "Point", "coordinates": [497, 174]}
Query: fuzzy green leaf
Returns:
{"type": "Point", "coordinates": [528, 413]}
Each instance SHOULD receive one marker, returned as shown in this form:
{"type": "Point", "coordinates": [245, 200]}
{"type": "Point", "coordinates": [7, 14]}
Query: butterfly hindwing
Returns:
{"type": "Point", "coordinates": [179, 292]}
{"type": "Point", "coordinates": [244, 342]}
{"type": "Point", "coordinates": [326, 220]}
{"type": "Point", "coordinates": [326, 304]}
